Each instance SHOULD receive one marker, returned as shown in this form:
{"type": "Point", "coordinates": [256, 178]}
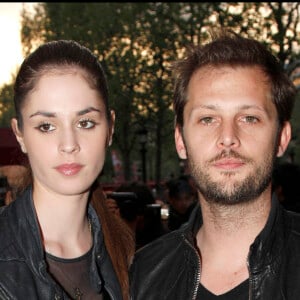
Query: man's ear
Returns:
{"type": "Point", "coordinates": [111, 127]}
{"type": "Point", "coordinates": [284, 138]}
{"type": "Point", "coordinates": [18, 134]}
{"type": "Point", "coordinates": [179, 142]}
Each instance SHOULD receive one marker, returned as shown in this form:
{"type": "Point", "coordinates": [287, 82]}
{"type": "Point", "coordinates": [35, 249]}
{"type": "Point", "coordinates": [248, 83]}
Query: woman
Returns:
{"type": "Point", "coordinates": [57, 240]}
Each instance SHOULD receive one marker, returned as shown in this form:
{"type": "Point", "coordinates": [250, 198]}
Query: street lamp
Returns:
{"type": "Point", "coordinates": [142, 134]}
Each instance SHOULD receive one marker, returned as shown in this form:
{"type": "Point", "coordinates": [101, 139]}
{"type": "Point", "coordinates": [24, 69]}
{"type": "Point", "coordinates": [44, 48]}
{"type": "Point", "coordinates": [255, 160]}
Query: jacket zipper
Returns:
{"type": "Point", "coordinates": [198, 272]}
{"type": "Point", "coordinates": [250, 278]}
{"type": "Point", "coordinates": [110, 293]}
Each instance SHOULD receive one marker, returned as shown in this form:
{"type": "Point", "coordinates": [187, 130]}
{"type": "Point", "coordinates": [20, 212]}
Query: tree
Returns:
{"type": "Point", "coordinates": [115, 41]}
{"type": "Point", "coordinates": [276, 24]}
{"type": "Point", "coordinates": [6, 105]}
{"type": "Point", "coordinates": [136, 43]}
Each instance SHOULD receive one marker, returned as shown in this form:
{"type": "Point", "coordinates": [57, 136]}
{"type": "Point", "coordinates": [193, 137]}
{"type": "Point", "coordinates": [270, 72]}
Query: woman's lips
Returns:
{"type": "Point", "coordinates": [69, 169]}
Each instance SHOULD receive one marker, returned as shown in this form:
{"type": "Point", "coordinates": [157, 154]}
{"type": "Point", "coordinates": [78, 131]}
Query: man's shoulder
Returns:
{"type": "Point", "coordinates": [161, 244]}
{"type": "Point", "coordinates": [171, 257]}
{"type": "Point", "coordinates": [295, 221]}
{"type": "Point", "coordinates": [161, 253]}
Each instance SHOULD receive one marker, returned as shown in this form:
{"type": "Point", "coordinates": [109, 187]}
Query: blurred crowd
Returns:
{"type": "Point", "coordinates": [153, 212]}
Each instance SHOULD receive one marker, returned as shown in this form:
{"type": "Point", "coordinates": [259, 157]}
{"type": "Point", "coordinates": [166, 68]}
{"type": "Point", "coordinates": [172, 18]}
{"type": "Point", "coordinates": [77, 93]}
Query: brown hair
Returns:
{"type": "Point", "coordinates": [53, 56]}
{"type": "Point", "coordinates": [230, 49]}
{"type": "Point", "coordinates": [119, 239]}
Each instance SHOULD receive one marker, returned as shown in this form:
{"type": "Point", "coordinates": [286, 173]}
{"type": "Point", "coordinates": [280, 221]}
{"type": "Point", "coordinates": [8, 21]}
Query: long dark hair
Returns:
{"type": "Point", "coordinates": [118, 237]}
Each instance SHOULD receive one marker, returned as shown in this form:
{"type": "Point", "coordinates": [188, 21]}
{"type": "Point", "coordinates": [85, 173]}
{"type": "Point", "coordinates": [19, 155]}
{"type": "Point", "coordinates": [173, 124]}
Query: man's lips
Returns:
{"type": "Point", "coordinates": [228, 163]}
{"type": "Point", "coordinates": [69, 169]}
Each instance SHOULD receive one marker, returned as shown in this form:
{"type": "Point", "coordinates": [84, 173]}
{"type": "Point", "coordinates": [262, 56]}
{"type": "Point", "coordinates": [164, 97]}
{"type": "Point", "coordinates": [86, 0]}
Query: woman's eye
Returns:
{"type": "Point", "coordinates": [87, 124]}
{"type": "Point", "coordinates": [46, 127]}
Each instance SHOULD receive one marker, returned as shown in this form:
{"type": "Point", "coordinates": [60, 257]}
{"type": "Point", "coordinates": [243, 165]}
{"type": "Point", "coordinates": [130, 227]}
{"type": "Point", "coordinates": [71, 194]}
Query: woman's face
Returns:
{"type": "Point", "coordinates": [65, 132]}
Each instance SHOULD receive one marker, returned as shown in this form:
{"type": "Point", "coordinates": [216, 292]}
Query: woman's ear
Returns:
{"type": "Point", "coordinates": [179, 142]}
{"type": "Point", "coordinates": [18, 134]}
{"type": "Point", "coordinates": [111, 127]}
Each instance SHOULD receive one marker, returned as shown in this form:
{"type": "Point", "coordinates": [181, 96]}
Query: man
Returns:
{"type": "Point", "coordinates": [233, 103]}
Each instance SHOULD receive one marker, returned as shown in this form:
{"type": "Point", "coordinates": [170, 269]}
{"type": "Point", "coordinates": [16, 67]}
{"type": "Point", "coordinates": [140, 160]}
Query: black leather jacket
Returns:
{"type": "Point", "coordinates": [23, 269]}
{"type": "Point", "coordinates": [170, 267]}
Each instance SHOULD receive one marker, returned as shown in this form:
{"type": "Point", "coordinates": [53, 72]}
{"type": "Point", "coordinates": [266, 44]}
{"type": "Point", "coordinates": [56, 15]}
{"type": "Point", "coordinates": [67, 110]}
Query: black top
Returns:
{"type": "Point", "coordinates": [240, 292]}
{"type": "Point", "coordinates": [73, 275]}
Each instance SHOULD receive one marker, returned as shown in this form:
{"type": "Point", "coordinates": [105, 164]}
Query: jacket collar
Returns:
{"type": "Point", "coordinates": [26, 230]}
{"type": "Point", "coordinates": [267, 246]}
{"type": "Point", "coordinates": [21, 224]}
{"type": "Point", "coordinates": [28, 235]}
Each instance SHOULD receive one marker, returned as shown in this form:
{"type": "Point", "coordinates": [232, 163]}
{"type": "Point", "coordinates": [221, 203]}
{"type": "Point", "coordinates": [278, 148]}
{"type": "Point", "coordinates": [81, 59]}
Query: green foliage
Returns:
{"type": "Point", "coordinates": [6, 105]}
{"type": "Point", "coordinates": [137, 42]}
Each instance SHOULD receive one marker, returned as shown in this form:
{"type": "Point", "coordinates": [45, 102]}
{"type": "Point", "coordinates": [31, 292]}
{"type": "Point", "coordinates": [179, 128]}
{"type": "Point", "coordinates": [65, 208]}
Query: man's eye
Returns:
{"type": "Point", "coordinates": [46, 127]}
{"type": "Point", "coordinates": [87, 124]}
{"type": "Point", "coordinates": [251, 119]}
{"type": "Point", "coordinates": [206, 120]}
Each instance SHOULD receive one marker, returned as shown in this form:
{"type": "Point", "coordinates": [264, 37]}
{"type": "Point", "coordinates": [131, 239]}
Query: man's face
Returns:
{"type": "Point", "coordinates": [230, 134]}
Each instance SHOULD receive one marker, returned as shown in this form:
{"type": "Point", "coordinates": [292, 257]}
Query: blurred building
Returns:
{"type": "Point", "coordinates": [10, 152]}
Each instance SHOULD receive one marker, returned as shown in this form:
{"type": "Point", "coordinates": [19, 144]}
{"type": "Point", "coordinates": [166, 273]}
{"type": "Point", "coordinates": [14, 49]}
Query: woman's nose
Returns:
{"type": "Point", "coordinates": [69, 141]}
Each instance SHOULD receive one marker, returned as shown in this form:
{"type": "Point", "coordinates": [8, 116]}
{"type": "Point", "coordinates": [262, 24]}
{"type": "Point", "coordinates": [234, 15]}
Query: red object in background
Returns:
{"type": "Point", "coordinates": [10, 152]}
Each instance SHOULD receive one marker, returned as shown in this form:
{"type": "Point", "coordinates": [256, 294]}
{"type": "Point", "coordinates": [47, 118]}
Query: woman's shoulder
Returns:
{"type": "Point", "coordinates": [12, 223]}
{"type": "Point", "coordinates": [6, 234]}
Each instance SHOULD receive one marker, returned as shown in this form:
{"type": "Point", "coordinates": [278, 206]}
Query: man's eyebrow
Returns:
{"type": "Point", "coordinates": [216, 107]}
{"type": "Point", "coordinates": [251, 107]}
{"type": "Point", "coordinates": [52, 115]}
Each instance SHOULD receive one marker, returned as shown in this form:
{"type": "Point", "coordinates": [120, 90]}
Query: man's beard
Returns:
{"type": "Point", "coordinates": [240, 191]}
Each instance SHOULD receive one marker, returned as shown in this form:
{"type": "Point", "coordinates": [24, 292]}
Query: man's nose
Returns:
{"type": "Point", "coordinates": [228, 135]}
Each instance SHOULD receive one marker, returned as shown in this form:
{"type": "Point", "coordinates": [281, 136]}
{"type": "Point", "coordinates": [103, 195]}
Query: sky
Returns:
{"type": "Point", "coordinates": [10, 50]}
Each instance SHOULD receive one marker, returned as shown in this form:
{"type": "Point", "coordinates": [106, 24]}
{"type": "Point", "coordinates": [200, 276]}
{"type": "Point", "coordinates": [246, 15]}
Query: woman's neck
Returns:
{"type": "Point", "coordinates": [63, 223]}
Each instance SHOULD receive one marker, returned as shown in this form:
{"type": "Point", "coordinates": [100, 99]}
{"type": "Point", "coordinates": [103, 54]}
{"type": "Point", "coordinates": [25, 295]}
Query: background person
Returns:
{"type": "Point", "coordinates": [286, 185]}
{"type": "Point", "coordinates": [182, 200]}
{"type": "Point", "coordinates": [53, 245]}
{"type": "Point", "coordinates": [233, 102]}
{"type": "Point", "coordinates": [140, 213]}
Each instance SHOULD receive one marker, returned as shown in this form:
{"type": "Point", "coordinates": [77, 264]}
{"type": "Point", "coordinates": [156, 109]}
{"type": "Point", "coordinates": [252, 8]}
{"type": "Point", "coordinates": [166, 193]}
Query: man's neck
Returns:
{"type": "Point", "coordinates": [224, 240]}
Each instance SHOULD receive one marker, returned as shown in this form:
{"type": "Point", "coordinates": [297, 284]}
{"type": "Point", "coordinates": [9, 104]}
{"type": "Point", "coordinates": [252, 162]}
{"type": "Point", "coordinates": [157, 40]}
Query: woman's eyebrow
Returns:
{"type": "Point", "coordinates": [44, 114]}
{"type": "Point", "coordinates": [87, 110]}
{"type": "Point", "coordinates": [52, 115]}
